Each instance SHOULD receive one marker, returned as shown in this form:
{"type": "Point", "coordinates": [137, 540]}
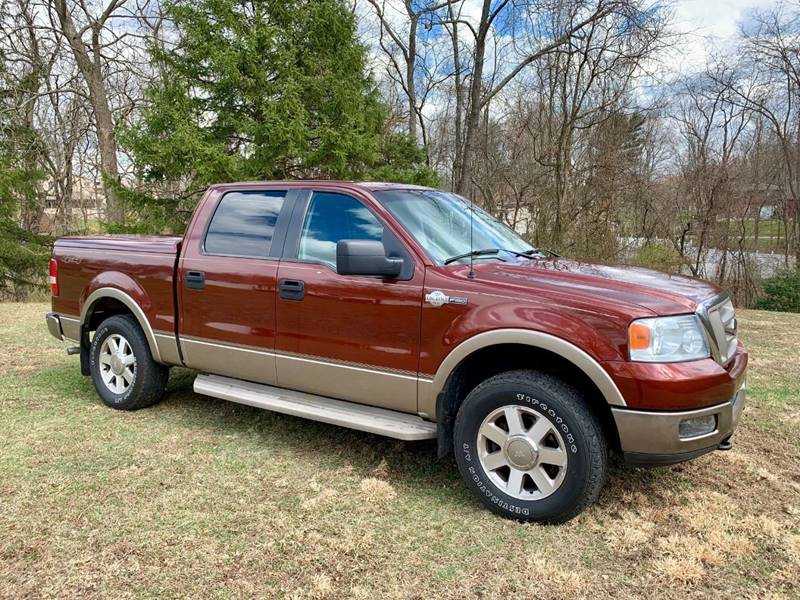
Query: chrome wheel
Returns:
{"type": "Point", "coordinates": [522, 452]}
{"type": "Point", "coordinates": [117, 364]}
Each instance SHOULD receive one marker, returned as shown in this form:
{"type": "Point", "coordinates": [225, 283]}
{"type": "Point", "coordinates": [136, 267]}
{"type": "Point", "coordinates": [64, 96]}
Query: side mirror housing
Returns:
{"type": "Point", "coordinates": [366, 257]}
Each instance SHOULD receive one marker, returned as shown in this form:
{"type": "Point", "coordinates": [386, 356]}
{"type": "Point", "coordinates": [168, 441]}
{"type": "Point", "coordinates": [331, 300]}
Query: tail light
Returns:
{"type": "Point", "coordinates": [53, 277]}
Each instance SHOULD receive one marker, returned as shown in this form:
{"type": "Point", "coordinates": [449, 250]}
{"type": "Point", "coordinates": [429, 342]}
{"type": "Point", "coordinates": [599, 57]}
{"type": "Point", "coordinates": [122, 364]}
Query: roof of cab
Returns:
{"type": "Point", "coordinates": [372, 186]}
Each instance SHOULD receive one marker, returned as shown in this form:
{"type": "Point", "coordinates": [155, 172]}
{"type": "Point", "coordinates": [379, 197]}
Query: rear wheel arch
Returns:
{"type": "Point", "coordinates": [107, 301]}
{"type": "Point", "coordinates": [511, 350]}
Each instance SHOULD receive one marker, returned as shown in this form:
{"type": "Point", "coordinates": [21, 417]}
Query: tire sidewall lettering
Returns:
{"type": "Point", "coordinates": [485, 488]}
{"type": "Point", "coordinates": [549, 413]}
{"type": "Point", "coordinates": [98, 339]}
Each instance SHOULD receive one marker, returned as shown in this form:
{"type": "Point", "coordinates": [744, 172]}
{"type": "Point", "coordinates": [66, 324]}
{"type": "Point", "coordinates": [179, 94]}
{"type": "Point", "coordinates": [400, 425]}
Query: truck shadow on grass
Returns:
{"type": "Point", "coordinates": [408, 466]}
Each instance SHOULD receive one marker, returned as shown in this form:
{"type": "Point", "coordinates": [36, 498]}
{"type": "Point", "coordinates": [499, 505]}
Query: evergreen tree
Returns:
{"type": "Point", "coordinates": [262, 89]}
{"type": "Point", "coordinates": [23, 255]}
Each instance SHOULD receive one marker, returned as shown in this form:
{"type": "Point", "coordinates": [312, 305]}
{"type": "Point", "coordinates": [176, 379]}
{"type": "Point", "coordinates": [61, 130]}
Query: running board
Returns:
{"type": "Point", "coordinates": [381, 421]}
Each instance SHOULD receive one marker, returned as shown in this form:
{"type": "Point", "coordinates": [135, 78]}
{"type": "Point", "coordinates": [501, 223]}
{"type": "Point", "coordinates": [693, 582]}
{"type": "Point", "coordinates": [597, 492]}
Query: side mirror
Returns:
{"type": "Point", "coordinates": [366, 257]}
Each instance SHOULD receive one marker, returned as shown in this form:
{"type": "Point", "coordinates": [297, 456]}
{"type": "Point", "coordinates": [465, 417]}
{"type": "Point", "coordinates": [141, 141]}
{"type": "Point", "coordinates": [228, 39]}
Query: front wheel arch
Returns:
{"type": "Point", "coordinates": [488, 361]}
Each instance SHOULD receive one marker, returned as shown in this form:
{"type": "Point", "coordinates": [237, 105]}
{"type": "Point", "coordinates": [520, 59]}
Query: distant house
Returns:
{"type": "Point", "coordinates": [763, 200]}
{"type": "Point", "coordinates": [87, 204]}
{"type": "Point", "coordinates": [766, 212]}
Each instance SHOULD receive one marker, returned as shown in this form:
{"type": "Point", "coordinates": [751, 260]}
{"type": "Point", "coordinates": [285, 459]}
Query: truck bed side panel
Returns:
{"type": "Point", "coordinates": [146, 277]}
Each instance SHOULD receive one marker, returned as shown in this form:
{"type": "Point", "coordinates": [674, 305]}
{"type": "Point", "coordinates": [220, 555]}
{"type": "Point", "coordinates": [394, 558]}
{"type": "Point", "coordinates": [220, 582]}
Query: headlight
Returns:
{"type": "Point", "coordinates": [667, 339]}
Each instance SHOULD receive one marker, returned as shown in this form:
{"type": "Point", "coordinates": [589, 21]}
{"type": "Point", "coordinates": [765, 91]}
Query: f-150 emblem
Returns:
{"type": "Point", "coordinates": [438, 298]}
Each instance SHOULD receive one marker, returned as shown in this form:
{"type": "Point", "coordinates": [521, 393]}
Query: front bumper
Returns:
{"type": "Point", "coordinates": [649, 437]}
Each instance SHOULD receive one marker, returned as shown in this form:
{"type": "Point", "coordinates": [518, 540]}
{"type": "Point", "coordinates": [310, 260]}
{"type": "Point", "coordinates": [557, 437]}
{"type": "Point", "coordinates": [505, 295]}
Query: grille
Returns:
{"type": "Point", "coordinates": [719, 319]}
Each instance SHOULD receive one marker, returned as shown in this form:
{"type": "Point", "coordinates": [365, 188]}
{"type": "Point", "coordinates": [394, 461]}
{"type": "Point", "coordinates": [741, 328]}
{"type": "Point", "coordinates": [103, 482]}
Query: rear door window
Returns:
{"type": "Point", "coordinates": [244, 223]}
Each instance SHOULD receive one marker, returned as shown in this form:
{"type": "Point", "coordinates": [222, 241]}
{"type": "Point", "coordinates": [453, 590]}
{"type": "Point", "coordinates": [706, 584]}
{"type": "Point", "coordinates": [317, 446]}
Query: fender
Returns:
{"type": "Point", "coordinates": [429, 389]}
{"type": "Point", "coordinates": [136, 310]}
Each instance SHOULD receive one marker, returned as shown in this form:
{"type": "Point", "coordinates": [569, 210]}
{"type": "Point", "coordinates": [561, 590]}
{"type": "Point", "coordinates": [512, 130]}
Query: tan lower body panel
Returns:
{"type": "Point", "coordinates": [380, 421]}
{"type": "Point", "coordinates": [658, 432]}
{"type": "Point", "coordinates": [353, 383]}
{"type": "Point", "coordinates": [233, 361]}
{"type": "Point", "coordinates": [168, 348]}
{"type": "Point", "coordinates": [395, 391]}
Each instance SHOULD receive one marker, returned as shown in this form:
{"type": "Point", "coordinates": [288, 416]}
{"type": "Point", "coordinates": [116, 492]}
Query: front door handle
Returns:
{"type": "Point", "coordinates": [292, 289]}
{"type": "Point", "coordinates": [195, 280]}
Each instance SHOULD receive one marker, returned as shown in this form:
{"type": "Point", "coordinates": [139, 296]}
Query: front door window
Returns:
{"type": "Point", "coordinates": [332, 217]}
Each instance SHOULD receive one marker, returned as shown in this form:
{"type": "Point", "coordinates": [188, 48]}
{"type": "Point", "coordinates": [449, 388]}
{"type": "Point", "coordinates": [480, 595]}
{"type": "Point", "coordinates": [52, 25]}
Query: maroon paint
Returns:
{"type": "Point", "coordinates": [385, 323]}
{"type": "Point", "coordinates": [237, 304]}
{"type": "Point", "coordinates": [89, 263]}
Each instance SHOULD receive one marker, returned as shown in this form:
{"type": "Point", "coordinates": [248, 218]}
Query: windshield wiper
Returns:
{"type": "Point", "coordinates": [544, 251]}
{"type": "Point", "coordinates": [473, 253]}
{"type": "Point", "coordinates": [532, 254]}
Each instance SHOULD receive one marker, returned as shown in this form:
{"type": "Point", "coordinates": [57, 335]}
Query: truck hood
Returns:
{"type": "Point", "coordinates": [660, 293]}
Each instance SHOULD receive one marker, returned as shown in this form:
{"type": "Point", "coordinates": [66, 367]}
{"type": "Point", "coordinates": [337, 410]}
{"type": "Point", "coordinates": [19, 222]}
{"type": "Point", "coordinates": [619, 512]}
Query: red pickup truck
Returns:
{"type": "Point", "coordinates": [408, 312]}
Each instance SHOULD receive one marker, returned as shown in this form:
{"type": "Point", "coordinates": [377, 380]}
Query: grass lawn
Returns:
{"type": "Point", "coordinates": [201, 498]}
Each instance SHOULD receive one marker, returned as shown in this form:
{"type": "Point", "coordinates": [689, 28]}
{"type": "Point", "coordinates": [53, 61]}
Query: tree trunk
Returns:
{"type": "Point", "coordinates": [411, 66]}
{"type": "Point", "coordinates": [92, 72]}
{"type": "Point", "coordinates": [473, 120]}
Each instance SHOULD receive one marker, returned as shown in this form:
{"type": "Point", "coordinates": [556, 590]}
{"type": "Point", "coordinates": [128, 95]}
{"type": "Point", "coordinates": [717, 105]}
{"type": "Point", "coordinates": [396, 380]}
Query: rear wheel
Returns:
{"type": "Point", "coordinates": [529, 446]}
{"type": "Point", "coordinates": [123, 371]}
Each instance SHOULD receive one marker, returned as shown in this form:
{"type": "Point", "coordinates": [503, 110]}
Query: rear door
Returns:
{"type": "Point", "coordinates": [350, 337]}
{"type": "Point", "coordinates": [227, 282]}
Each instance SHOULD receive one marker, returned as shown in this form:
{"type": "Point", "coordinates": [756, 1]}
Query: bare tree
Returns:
{"type": "Point", "coordinates": [407, 45]}
{"type": "Point", "coordinates": [481, 90]}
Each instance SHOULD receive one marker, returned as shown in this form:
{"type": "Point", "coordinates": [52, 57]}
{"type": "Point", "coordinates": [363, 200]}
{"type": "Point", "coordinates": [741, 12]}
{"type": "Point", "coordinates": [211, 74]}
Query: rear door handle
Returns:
{"type": "Point", "coordinates": [195, 280]}
{"type": "Point", "coordinates": [292, 289]}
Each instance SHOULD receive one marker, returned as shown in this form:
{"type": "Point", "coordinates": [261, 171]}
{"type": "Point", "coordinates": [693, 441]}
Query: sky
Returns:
{"type": "Point", "coordinates": [704, 26]}
{"type": "Point", "coordinates": [710, 24]}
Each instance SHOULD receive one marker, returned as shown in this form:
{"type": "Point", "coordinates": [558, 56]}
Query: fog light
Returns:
{"type": "Point", "coordinates": [697, 426]}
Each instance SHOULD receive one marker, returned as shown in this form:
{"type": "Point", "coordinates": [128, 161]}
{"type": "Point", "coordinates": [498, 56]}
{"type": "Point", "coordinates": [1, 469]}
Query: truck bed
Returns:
{"type": "Point", "coordinates": [154, 244]}
{"type": "Point", "coordinates": [142, 265]}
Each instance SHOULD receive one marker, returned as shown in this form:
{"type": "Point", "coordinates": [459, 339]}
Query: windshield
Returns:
{"type": "Point", "coordinates": [440, 222]}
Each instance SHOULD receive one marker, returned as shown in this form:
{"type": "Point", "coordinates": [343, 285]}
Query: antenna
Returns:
{"type": "Point", "coordinates": [471, 273]}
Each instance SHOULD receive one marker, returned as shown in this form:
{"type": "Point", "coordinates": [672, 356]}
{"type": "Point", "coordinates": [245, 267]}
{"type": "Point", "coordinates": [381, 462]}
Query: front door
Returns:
{"type": "Point", "coordinates": [350, 337]}
{"type": "Point", "coordinates": [227, 285]}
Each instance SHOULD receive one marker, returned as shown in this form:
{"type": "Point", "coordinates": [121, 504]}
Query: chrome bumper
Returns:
{"type": "Point", "coordinates": [63, 328]}
{"type": "Point", "coordinates": [54, 326]}
{"type": "Point", "coordinates": [648, 437]}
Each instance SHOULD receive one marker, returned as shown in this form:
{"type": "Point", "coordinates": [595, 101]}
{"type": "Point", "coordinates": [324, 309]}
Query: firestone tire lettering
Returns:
{"type": "Point", "coordinates": [566, 409]}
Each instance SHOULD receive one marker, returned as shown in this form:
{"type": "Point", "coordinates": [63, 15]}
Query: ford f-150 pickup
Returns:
{"type": "Point", "coordinates": [411, 313]}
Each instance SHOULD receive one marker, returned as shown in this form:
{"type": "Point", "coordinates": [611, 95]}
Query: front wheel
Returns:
{"type": "Point", "coordinates": [123, 371]}
{"type": "Point", "coordinates": [529, 446]}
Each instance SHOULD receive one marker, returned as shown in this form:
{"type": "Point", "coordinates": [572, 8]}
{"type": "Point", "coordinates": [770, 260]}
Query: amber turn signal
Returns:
{"type": "Point", "coordinates": [638, 336]}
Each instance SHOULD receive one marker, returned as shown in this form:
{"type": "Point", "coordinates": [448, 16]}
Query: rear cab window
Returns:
{"type": "Point", "coordinates": [244, 223]}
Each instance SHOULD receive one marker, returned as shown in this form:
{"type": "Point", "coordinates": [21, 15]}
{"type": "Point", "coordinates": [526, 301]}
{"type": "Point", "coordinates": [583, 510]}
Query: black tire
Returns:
{"type": "Point", "coordinates": [149, 377]}
{"type": "Point", "coordinates": [581, 437]}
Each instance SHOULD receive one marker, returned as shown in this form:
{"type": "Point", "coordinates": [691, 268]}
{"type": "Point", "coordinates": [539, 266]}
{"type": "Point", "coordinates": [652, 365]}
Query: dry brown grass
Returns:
{"type": "Point", "coordinates": [200, 498]}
